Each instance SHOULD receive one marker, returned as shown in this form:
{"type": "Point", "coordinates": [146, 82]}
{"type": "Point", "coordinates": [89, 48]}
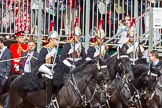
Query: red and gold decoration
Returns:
{"type": "Point", "coordinates": [100, 31]}
{"type": "Point", "coordinates": [131, 29]}
{"type": "Point", "coordinates": [51, 26]}
{"type": "Point", "coordinates": [76, 30]}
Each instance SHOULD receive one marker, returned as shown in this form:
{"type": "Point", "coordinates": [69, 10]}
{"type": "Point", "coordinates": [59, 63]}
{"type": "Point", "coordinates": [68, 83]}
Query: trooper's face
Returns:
{"type": "Point", "coordinates": [20, 39]}
{"type": "Point", "coordinates": [127, 21]}
{"type": "Point", "coordinates": [54, 41]}
{"type": "Point", "coordinates": [100, 27]}
{"type": "Point", "coordinates": [131, 38]}
{"type": "Point", "coordinates": [77, 38]}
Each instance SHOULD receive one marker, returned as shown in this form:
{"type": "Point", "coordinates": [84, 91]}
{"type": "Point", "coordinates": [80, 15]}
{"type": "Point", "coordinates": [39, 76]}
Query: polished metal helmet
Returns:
{"type": "Point", "coordinates": [100, 33]}
{"type": "Point", "coordinates": [53, 34]}
{"type": "Point", "coordinates": [77, 31]}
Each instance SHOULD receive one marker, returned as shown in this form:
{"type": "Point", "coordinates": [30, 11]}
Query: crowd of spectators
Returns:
{"type": "Point", "coordinates": [22, 15]}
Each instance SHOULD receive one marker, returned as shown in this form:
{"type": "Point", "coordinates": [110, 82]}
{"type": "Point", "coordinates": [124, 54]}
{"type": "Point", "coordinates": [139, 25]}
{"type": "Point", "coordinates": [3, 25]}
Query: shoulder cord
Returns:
{"type": "Point", "coordinates": [22, 48]}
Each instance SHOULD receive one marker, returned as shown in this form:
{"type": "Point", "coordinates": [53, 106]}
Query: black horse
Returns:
{"type": "Point", "coordinates": [149, 85]}
{"type": "Point", "coordinates": [146, 78]}
{"type": "Point", "coordinates": [4, 88]}
{"type": "Point", "coordinates": [69, 96]}
{"type": "Point", "coordinates": [119, 66]}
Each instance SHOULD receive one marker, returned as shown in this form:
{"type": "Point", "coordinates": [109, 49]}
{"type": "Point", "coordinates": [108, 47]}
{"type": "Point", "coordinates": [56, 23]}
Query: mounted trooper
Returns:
{"type": "Point", "coordinates": [46, 58]}
{"type": "Point", "coordinates": [131, 43]}
{"type": "Point", "coordinates": [97, 49]}
{"type": "Point", "coordinates": [131, 46]}
{"type": "Point", "coordinates": [73, 51]}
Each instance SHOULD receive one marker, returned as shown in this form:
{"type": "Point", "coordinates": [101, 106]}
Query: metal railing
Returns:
{"type": "Point", "coordinates": [34, 16]}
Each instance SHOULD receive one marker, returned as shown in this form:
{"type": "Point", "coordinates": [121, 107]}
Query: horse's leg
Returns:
{"type": "Point", "coordinates": [116, 101]}
{"type": "Point", "coordinates": [27, 105]}
{"type": "Point", "coordinates": [14, 98]}
{"type": "Point", "coordinates": [119, 105]}
{"type": "Point", "coordinates": [116, 104]}
{"type": "Point", "coordinates": [151, 104]}
{"type": "Point", "coordinates": [34, 98]}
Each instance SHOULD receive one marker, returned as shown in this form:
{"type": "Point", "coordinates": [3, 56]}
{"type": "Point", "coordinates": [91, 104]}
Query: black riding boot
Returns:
{"type": "Point", "coordinates": [48, 90]}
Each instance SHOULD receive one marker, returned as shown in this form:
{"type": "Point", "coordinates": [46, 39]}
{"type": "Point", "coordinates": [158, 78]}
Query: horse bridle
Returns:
{"type": "Point", "coordinates": [120, 63]}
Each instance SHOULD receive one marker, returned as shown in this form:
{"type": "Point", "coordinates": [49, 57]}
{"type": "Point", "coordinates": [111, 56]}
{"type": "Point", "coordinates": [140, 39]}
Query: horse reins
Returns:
{"type": "Point", "coordinates": [73, 83]}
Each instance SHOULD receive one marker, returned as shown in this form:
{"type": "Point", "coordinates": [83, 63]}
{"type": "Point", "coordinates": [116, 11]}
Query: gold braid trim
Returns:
{"type": "Point", "coordinates": [49, 46]}
{"type": "Point", "coordinates": [71, 40]}
{"type": "Point", "coordinates": [93, 44]}
{"type": "Point", "coordinates": [96, 43]}
{"type": "Point", "coordinates": [20, 47]}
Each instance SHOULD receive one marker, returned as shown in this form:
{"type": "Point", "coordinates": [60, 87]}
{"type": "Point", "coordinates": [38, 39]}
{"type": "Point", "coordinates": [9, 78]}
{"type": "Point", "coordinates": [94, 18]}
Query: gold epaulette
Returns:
{"type": "Point", "coordinates": [70, 40]}
{"type": "Point", "coordinates": [128, 42]}
{"type": "Point", "coordinates": [49, 46]}
{"type": "Point", "coordinates": [45, 46]}
{"type": "Point", "coordinates": [93, 44]}
{"type": "Point", "coordinates": [20, 47]}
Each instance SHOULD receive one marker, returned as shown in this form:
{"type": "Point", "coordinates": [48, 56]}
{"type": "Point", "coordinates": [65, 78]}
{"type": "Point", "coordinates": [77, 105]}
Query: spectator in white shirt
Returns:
{"type": "Point", "coordinates": [29, 63]}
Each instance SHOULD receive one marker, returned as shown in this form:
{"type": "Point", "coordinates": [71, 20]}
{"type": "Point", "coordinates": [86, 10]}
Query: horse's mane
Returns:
{"type": "Point", "coordinates": [83, 65]}
{"type": "Point", "coordinates": [141, 61]}
{"type": "Point", "coordinates": [140, 68]}
{"type": "Point", "coordinates": [61, 67]}
{"type": "Point", "coordinates": [140, 71]}
{"type": "Point", "coordinates": [61, 70]}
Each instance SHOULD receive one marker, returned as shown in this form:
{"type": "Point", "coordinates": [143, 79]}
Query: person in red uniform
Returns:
{"type": "Point", "coordinates": [17, 49]}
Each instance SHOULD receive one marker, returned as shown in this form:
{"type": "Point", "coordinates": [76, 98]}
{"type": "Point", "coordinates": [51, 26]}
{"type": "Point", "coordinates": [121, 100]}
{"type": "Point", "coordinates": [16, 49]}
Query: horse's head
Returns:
{"type": "Point", "coordinates": [123, 65]}
{"type": "Point", "coordinates": [87, 70]}
{"type": "Point", "coordinates": [103, 71]}
{"type": "Point", "coordinates": [146, 76]}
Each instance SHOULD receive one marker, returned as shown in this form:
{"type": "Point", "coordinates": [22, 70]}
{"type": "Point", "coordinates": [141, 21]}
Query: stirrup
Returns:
{"type": "Point", "coordinates": [47, 106]}
{"type": "Point", "coordinates": [54, 102]}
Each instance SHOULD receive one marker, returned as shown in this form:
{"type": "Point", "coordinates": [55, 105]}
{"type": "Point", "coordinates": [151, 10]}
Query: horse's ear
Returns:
{"type": "Point", "coordinates": [123, 49]}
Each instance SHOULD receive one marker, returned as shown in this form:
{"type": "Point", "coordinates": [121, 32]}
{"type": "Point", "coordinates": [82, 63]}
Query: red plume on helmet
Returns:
{"type": "Point", "coordinates": [133, 22]}
{"type": "Point", "coordinates": [76, 22]}
{"type": "Point", "coordinates": [100, 23]}
{"type": "Point", "coordinates": [75, 28]}
{"type": "Point", "coordinates": [94, 39]}
{"type": "Point", "coordinates": [51, 26]}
